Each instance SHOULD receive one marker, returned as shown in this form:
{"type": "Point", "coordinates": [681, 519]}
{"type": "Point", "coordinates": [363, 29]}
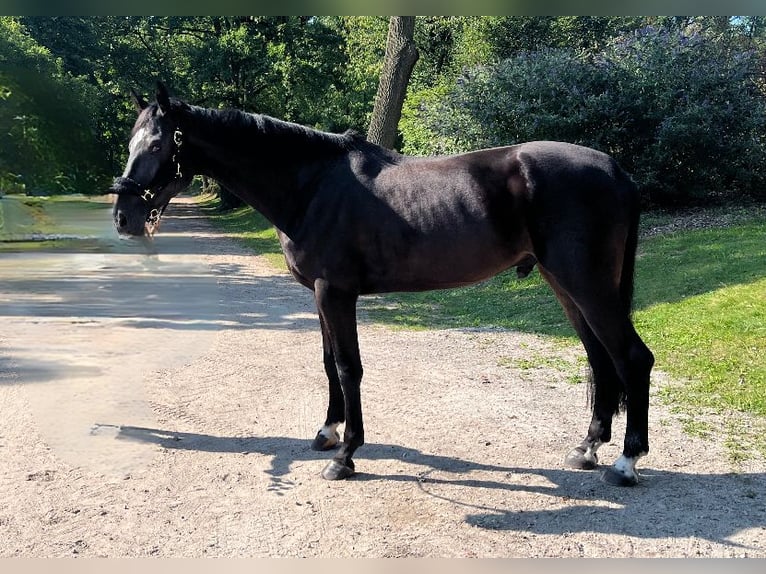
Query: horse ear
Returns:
{"type": "Point", "coordinates": [163, 98]}
{"type": "Point", "coordinates": [137, 100]}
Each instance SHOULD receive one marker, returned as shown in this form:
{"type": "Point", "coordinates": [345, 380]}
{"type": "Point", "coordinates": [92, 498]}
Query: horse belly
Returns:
{"type": "Point", "coordinates": [441, 263]}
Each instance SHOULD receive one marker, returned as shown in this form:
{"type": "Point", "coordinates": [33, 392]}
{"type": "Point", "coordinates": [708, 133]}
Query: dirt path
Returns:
{"type": "Point", "coordinates": [163, 404]}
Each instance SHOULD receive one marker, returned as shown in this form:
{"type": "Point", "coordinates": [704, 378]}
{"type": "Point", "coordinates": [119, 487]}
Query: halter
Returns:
{"type": "Point", "coordinates": [128, 186]}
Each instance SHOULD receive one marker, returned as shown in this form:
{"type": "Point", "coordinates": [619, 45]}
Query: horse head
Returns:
{"type": "Point", "coordinates": [153, 174]}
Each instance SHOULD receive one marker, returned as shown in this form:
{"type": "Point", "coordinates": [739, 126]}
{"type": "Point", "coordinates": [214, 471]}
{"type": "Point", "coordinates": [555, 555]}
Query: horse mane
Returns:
{"type": "Point", "coordinates": [298, 138]}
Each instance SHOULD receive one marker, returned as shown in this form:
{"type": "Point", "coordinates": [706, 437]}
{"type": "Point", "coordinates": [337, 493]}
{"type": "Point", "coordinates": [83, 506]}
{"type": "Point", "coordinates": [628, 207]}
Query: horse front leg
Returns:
{"type": "Point", "coordinates": [337, 312]}
{"type": "Point", "coordinates": [327, 438]}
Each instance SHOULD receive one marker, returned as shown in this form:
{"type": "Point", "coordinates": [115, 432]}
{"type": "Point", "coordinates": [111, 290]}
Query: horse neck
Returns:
{"type": "Point", "coordinates": [264, 167]}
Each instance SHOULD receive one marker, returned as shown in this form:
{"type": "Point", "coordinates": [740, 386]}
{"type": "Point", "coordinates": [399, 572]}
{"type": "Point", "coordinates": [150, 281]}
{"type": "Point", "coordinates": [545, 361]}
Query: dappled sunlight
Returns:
{"type": "Point", "coordinates": [674, 267]}
{"type": "Point", "coordinates": [85, 330]}
{"type": "Point", "coordinates": [716, 344]}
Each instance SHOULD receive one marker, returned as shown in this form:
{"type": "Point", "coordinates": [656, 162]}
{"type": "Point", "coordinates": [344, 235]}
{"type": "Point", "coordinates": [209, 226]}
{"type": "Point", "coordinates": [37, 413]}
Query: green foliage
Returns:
{"type": "Point", "coordinates": [282, 66]}
{"type": "Point", "coordinates": [679, 109]}
{"type": "Point", "coordinates": [110, 55]}
{"type": "Point", "coordinates": [364, 49]}
{"type": "Point", "coordinates": [319, 71]}
{"type": "Point", "coordinates": [508, 36]}
{"type": "Point", "coordinates": [47, 119]}
{"type": "Point", "coordinates": [664, 100]}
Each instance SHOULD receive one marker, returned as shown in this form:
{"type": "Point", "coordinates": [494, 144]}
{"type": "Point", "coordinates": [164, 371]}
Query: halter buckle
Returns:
{"type": "Point", "coordinates": [147, 195]}
{"type": "Point", "coordinates": [177, 139]}
{"type": "Point", "coordinates": [154, 216]}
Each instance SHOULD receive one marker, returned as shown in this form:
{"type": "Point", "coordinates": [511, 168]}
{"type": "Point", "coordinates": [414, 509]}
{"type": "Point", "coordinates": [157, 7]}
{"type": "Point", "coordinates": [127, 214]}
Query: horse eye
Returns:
{"type": "Point", "coordinates": [155, 148]}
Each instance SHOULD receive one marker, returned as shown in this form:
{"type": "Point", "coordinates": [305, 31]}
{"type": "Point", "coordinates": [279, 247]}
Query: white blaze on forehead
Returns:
{"type": "Point", "coordinates": [138, 142]}
{"type": "Point", "coordinates": [141, 136]}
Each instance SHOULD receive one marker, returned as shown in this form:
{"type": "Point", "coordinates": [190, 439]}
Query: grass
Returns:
{"type": "Point", "coordinates": [50, 223]}
{"type": "Point", "coordinates": [503, 301]}
{"type": "Point", "coordinates": [249, 228]}
{"type": "Point", "coordinates": [574, 370]}
{"type": "Point", "coordinates": [717, 342]}
{"type": "Point", "coordinates": [700, 305]}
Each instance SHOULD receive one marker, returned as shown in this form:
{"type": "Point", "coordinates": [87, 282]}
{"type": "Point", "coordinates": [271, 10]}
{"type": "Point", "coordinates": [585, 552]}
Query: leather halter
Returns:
{"type": "Point", "coordinates": [128, 186]}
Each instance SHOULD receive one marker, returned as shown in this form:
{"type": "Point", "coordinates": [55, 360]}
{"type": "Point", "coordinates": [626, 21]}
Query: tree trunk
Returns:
{"type": "Point", "coordinates": [401, 55]}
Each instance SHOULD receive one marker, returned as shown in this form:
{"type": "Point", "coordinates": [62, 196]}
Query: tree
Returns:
{"type": "Point", "coordinates": [364, 44]}
{"type": "Point", "coordinates": [680, 107]}
{"type": "Point", "coordinates": [48, 119]}
{"type": "Point", "coordinates": [400, 58]}
{"type": "Point", "coordinates": [111, 55]}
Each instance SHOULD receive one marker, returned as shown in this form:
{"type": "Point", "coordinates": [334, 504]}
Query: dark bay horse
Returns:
{"type": "Point", "coordinates": [354, 218]}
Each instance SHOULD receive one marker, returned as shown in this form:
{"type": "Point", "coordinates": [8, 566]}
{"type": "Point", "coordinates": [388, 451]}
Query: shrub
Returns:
{"type": "Point", "coordinates": [683, 113]}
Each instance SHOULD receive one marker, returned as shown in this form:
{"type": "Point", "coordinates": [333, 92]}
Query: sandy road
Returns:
{"type": "Point", "coordinates": [161, 404]}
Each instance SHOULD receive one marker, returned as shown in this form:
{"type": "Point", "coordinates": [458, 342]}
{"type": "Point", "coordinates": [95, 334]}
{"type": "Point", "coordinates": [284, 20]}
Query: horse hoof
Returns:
{"type": "Point", "coordinates": [322, 442]}
{"type": "Point", "coordinates": [579, 459]}
{"type": "Point", "coordinates": [616, 478]}
{"type": "Point", "coordinates": [337, 471]}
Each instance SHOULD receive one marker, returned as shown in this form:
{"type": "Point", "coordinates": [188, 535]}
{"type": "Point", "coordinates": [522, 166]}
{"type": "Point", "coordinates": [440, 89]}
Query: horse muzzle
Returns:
{"type": "Point", "coordinates": [129, 224]}
{"type": "Point", "coordinates": [133, 210]}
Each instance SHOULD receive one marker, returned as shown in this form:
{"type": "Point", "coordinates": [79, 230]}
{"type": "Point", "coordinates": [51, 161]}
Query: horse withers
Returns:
{"type": "Point", "coordinates": [354, 219]}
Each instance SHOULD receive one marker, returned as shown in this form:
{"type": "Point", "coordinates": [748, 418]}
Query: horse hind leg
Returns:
{"type": "Point", "coordinates": [603, 323]}
{"type": "Point", "coordinates": [635, 369]}
{"type": "Point", "coordinates": [606, 390]}
{"type": "Point", "coordinates": [632, 362]}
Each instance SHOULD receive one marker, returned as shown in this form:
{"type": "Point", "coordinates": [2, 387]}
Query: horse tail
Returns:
{"type": "Point", "coordinates": [626, 279]}
{"type": "Point", "coordinates": [631, 246]}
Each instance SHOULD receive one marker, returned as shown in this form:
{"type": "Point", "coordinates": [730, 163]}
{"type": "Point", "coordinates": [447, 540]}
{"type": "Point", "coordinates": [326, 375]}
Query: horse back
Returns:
{"type": "Point", "coordinates": [429, 223]}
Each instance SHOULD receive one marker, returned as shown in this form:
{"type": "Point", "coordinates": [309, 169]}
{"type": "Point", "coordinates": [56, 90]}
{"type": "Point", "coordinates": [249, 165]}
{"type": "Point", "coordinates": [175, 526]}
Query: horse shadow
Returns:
{"type": "Point", "coordinates": [721, 505]}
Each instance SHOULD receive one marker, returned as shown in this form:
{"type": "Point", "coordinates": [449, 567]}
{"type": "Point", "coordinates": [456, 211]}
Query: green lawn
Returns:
{"type": "Point", "coordinates": [701, 306]}
{"type": "Point", "coordinates": [50, 223]}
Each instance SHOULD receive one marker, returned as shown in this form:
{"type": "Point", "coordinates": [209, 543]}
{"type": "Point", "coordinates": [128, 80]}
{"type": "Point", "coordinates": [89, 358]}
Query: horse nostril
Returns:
{"type": "Point", "coordinates": [120, 220]}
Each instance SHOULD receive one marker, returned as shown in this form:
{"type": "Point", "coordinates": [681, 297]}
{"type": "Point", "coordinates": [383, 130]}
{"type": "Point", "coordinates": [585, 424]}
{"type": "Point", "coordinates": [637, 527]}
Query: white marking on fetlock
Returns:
{"type": "Point", "coordinates": [626, 466]}
{"type": "Point", "coordinates": [330, 432]}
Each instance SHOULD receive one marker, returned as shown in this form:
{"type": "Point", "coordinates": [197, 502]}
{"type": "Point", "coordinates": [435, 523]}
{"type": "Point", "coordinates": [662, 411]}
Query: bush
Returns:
{"type": "Point", "coordinates": [683, 113]}
{"type": "Point", "coordinates": [49, 140]}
